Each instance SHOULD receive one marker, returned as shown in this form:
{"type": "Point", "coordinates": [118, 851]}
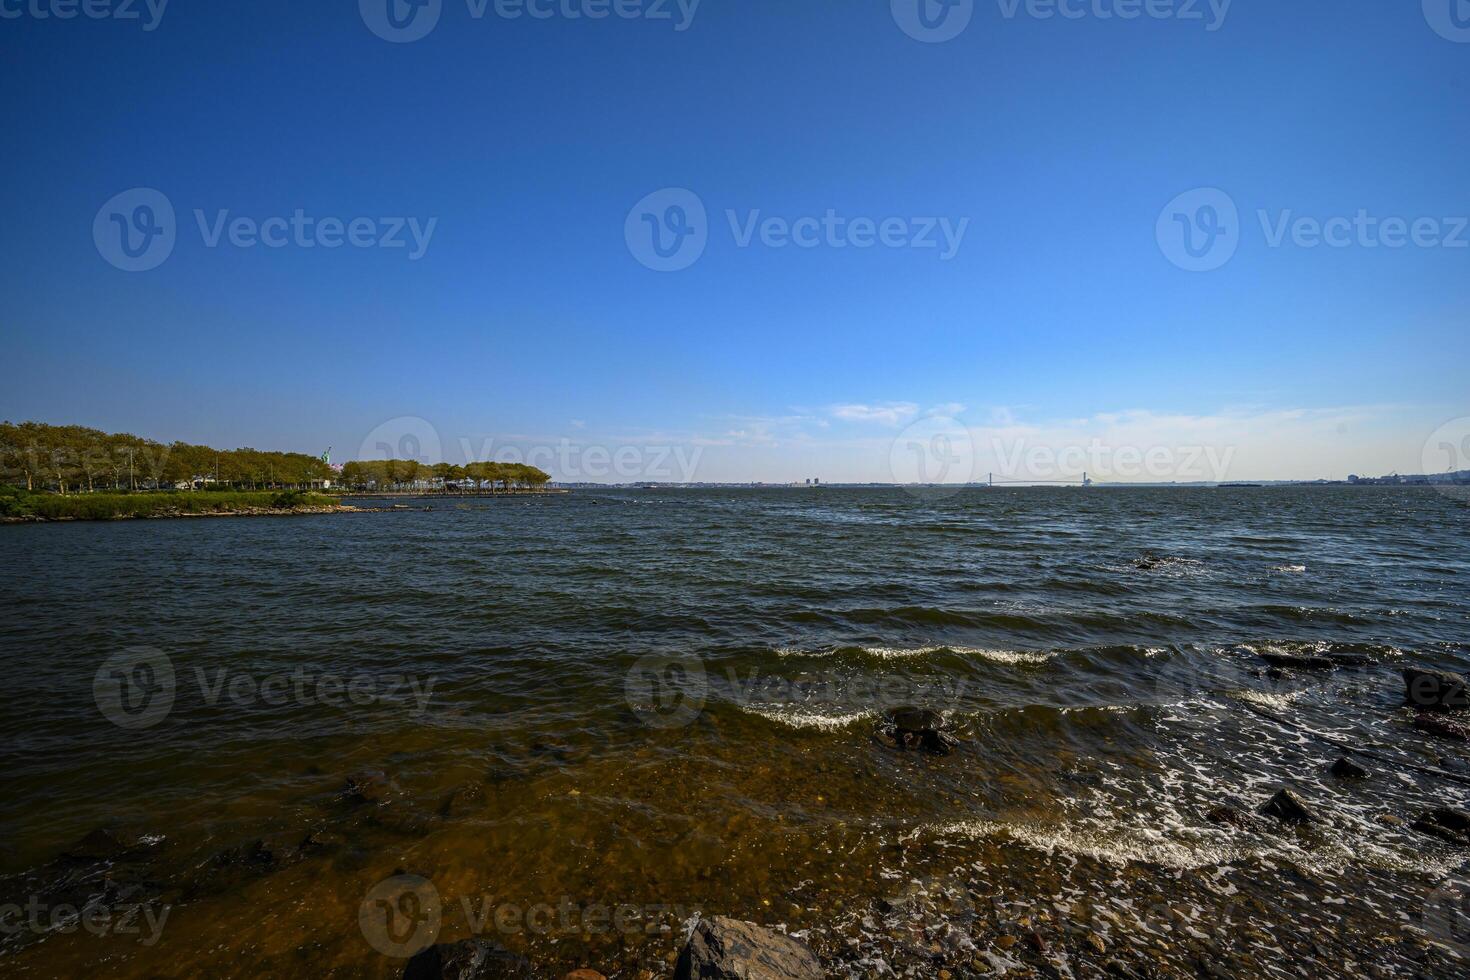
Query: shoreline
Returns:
{"type": "Point", "coordinates": [170, 515]}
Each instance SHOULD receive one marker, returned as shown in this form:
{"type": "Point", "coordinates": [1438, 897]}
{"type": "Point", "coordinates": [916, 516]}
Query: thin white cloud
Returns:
{"type": "Point", "coordinates": [886, 413]}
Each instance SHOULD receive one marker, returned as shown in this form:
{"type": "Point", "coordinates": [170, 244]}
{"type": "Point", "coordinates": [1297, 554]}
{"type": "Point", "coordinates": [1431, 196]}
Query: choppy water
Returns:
{"type": "Point", "coordinates": [598, 715]}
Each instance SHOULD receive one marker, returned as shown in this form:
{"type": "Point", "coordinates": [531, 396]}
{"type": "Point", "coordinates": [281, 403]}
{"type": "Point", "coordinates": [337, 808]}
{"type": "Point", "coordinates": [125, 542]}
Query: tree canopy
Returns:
{"type": "Point", "coordinates": [70, 458]}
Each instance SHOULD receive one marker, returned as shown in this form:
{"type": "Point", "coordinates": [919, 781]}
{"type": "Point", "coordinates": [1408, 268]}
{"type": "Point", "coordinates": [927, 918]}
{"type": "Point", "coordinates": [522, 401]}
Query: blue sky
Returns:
{"type": "Point", "coordinates": [1057, 144]}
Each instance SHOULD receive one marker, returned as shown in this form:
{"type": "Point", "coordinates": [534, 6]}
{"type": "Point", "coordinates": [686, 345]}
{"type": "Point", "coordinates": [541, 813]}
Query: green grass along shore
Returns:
{"type": "Point", "coordinates": [17, 505]}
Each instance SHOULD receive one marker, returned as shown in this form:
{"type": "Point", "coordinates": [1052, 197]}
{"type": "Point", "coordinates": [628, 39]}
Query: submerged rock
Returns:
{"type": "Point", "coordinates": [1288, 808]}
{"type": "Point", "coordinates": [469, 959]}
{"type": "Point", "coordinates": [1442, 726]}
{"type": "Point", "coordinates": [1228, 813]}
{"type": "Point", "coordinates": [1434, 690]}
{"type": "Point", "coordinates": [1345, 768]}
{"type": "Point", "coordinates": [1447, 824]}
{"type": "Point", "coordinates": [727, 949]}
{"type": "Point", "coordinates": [370, 786]}
{"type": "Point", "coordinates": [921, 728]}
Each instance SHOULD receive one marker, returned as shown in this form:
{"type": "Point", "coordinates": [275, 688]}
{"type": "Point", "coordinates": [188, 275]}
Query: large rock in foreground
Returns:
{"type": "Point", "coordinates": [1435, 690]}
{"type": "Point", "coordinates": [727, 949]}
{"type": "Point", "coordinates": [470, 959]}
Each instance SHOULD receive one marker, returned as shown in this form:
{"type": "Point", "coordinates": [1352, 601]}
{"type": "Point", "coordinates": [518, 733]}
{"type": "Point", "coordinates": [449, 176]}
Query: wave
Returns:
{"type": "Point", "coordinates": [1010, 657]}
{"type": "Point", "coordinates": [1111, 845]}
{"type": "Point", "coordinates": [805, 718]}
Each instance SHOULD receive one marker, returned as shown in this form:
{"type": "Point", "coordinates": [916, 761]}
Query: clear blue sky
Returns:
{"type": "Point", "coordinates": [529, 320]}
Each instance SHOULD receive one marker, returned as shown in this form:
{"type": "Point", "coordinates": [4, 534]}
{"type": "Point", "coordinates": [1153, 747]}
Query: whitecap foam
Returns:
{"type": "Point", "coordinates": [1280, 701]}
{"type": "Point", "coordinates": [1015, 657]}
{"type": "Point", "coordinates": [1116, 845]}
{"type": "Point", "coordinates": [806, 718]}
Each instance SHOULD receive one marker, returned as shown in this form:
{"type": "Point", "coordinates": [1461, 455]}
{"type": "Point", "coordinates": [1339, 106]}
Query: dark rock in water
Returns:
{"type": "Point", "coordinates": [370, 786]}
{"type": "Point", "coordinates": [920, 728]}
{"type": "Point", "coordinates": [1447, 824]}
{"type": "Point", "coordinates": [727, 949]}
{"type": "Point", "coordinates": [1442, 726]}
{"type": "Point", "coordinates": [1226, 813]}
{"type": "Point", "coordinates": [1286, 807]}
{"type": "Point", "coordinates": [461, 799]}
{"type": "Point", "coordinates": [255, 853]}
{"type": "Point", "coordinates": [1345, 768]}
{"type": "Point", "coordinates": [1433, 690]}
{"type": "Point", "coordinates": [469, 959]}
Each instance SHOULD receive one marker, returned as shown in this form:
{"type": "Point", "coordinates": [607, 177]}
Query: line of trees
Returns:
{"type": "Point", "coordinates": [75, 458]}
{"type": "Point", "coordinates": [408, 474]}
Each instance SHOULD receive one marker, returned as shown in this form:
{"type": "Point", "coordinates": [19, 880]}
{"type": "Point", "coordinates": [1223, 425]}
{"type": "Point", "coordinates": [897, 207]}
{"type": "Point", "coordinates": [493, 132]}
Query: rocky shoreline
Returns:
{"type": "Point", "coordinates": [941, 912]}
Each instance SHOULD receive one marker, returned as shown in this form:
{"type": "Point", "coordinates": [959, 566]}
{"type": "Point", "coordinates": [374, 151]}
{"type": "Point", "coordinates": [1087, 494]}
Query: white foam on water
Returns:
{"type": "Point", "coordinates": [1114, 845]}
{"type": "Point", "coordinates": [1267, 699]}
{"type": "Point", "coordinates": [808, 719]}
{"type": "Point", "coordinates": [1026, 657]}
{"type": "Point", "coordinates": [1013, 657]}
{"type": "Point", "coordinates": [1289, 569]}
